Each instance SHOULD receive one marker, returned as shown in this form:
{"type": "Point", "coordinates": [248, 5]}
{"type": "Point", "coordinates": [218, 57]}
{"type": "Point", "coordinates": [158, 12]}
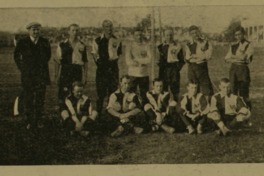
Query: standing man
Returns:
{"type": "Point", "coordinates": [138, 57]}
{"type": "Point", "coordinates": [170, 64]}
{"type": "Point", "coordinates": [106, 51]}
{"type": "Point", "coordinates": [198, 52]}
{"type": "Point", "coordinates": [240, 55]}
{"type": "Point", "coordinates": [32, 55]}
{"type": "Point", "coordinates": [73, 59]}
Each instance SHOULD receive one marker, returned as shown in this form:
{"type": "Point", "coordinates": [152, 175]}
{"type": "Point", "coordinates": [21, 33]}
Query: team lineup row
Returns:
{"type": "Point", "coordinates": [32, 55]}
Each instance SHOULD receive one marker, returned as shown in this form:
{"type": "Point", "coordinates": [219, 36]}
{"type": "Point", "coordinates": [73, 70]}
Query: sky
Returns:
{"type": "Point", "coordinates": [211, 18]}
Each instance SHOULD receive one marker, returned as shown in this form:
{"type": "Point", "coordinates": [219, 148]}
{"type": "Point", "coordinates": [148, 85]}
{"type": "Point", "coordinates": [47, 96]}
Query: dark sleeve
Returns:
{"type": "Point", "coordinates": [160, 48]}
{"type": "Point", "coordinates": [166, 100]}
{"type": "Point", "coordinates": [84, 55]}
{"type": "Point", "coordinates": [161, 62]}
{"type": "Point", "coordinates": [181, 59]}
{"type": "Point", "coordinates": [240, 103]}
{"type": "Point", "coordinates": [136, 101]}
{"type": "Point", "coordinates": [179, 107]}
{"type": "Point", "coordinates": [48, 50]}
{"type": "Point", "coordinates": [18, 55]}
{"type": "Point", "coordinates": [203, 103]}
{"type": "Point", "coordinates": [119, 50]}
{"type": "Point", "coordinates": [63, 107]}
{"type": "Point", "coordinates": [85, 108]}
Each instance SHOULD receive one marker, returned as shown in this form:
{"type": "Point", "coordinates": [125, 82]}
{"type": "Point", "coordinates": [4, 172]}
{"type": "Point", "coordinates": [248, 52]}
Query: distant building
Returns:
{"type": "Point", "coordinates": [254, 30]}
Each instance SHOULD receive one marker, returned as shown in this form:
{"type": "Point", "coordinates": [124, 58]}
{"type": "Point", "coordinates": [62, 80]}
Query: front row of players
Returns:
{"type": "Point", "coordinates": [125, 113]}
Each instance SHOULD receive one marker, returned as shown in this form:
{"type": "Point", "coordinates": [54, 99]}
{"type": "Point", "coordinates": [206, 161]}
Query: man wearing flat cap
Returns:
{"type": "Point", "coordinates": [32, 55]}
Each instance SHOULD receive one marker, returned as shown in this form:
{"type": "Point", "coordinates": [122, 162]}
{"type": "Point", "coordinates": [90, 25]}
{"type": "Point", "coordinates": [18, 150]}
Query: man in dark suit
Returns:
{"type": "Point", "coordinates": [32, 55]}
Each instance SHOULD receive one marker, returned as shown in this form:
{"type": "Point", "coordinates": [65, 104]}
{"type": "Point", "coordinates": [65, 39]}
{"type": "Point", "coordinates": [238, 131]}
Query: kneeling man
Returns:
{"type": "Point", "coordinates": [124, 112]}
{"type": "Point", "coordinates": [77, 112]}
{"type": "Point", "coordinates": [160, 109]}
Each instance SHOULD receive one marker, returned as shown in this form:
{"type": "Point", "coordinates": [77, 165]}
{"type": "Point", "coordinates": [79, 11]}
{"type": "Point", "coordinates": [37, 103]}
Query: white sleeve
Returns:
{"type": "Point", "coordinates": [112, 100]}
{"type": "Point", "coordinates": [209, 51]}
{"type": "Point", "coordinates": [128, 56]}
{"type": "Point", "coordinates": [59, 53]}
{"type": "Point", "coordinates": [229, 54]}
{"type": "Point", "coordinates": [213, 106]}
{"type": "Point", "coordinates": [94, 48]}
{"type": "Point", "coordinates": [187, 53]}
{"type": "Point", "coordinates": [250, 52]}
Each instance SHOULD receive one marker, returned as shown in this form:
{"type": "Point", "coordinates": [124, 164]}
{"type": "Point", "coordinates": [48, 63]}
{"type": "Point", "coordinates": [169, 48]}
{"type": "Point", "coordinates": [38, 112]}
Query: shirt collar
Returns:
{"type": "Point", "coordinates": [34, 40]}
{"type": "Point", "coordinates": [194, 96]}
{"type": "Point", "coordinates": [168, 43]}
{"type": "Point", "coordinates": [103, 36]}
{"type": "Point", "coordinates": [222, 95]}
{"type": "Point", "coordinates": [119, 91]}
{"type": "Point", "coordinates": [242, 41]}
{"type": "Point", "coordinates": [66, 40]}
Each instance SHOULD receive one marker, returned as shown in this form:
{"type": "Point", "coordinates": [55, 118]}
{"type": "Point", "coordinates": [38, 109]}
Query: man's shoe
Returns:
{"type": "Point", "coordinates": [40, 124]}
{"type": "Point", "coordinates": [226, 131]}
{"type": "Point", "coordinates": [155, 127]}
{"type": "Point", "coordinates": [84, 133]}
{"type": "Point", "coordinates": [118, 132]}
{"type": "Point", "coordinates": [168, 129]}
{"type": "Point", "coordinates": [138, 130]}
{"type": "Point", "coordinates": [28, 127]}
{"type": "Point", "coordinates": [191, 130]}
{"type": "Point", "coordinates": [199, 129]}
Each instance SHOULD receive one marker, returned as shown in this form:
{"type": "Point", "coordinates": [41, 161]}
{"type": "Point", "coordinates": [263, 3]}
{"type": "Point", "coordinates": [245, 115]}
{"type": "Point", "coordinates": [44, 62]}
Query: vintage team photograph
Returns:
{"type": "Point", "coordinates": [131, 85]}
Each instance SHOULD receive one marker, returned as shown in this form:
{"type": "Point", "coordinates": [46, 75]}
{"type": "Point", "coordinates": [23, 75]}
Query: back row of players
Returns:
{"type": "Point", "coordinates": [155, 109]}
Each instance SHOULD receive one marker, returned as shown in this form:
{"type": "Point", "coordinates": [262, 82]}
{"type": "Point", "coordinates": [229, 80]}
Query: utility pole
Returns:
{"type": "Point", "coordinates": [160, 26]}
{"type": "Point", "coordinates": [153, 43]}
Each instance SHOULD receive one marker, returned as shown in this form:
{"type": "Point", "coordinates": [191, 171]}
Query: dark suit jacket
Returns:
{"type": "Point", "coordinates": [32, 60]}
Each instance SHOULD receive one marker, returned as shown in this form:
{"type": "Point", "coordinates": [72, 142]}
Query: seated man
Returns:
{"type": "Point", "coordinates": [227, 109]}
{"type": "Point", "coordinates": [194, 108]}
{"type": "Point", "coordinates": [77, 112]}
{"type": "Point", "coordinates": [160, 110]}
{"type": "Point", "coordinates": [124, 113]}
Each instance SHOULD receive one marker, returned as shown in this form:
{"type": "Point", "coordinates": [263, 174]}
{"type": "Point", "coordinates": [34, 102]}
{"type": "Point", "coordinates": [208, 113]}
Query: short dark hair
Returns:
{"type": "Point", "coordinates": [224, 80]}
{"type": "Point", "coordinates": [124, 77]}
{"type": "Point", "coordinates": [77, 84]}
{"type": "Point", "coordinates": [193, 27]}
{"type": "Point", "coordinates": [241, 29]}
{"type": "Point", "coordinates": [157, 80]}
{"type": "Point", "coordinates": [107, 21]}
{"type": "Point", "coordinates": [73, 24]}
{"type": "Point", "coordinates": [192, 82]}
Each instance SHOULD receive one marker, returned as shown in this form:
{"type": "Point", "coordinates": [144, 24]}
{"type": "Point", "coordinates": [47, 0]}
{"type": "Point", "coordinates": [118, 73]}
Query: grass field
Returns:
{"type": "Point", "coordinates": [51, 146]}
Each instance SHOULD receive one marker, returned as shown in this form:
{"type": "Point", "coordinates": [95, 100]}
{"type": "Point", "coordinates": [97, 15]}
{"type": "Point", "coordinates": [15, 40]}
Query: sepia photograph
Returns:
{"type": "Point", "coordinates": [115, 83]}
